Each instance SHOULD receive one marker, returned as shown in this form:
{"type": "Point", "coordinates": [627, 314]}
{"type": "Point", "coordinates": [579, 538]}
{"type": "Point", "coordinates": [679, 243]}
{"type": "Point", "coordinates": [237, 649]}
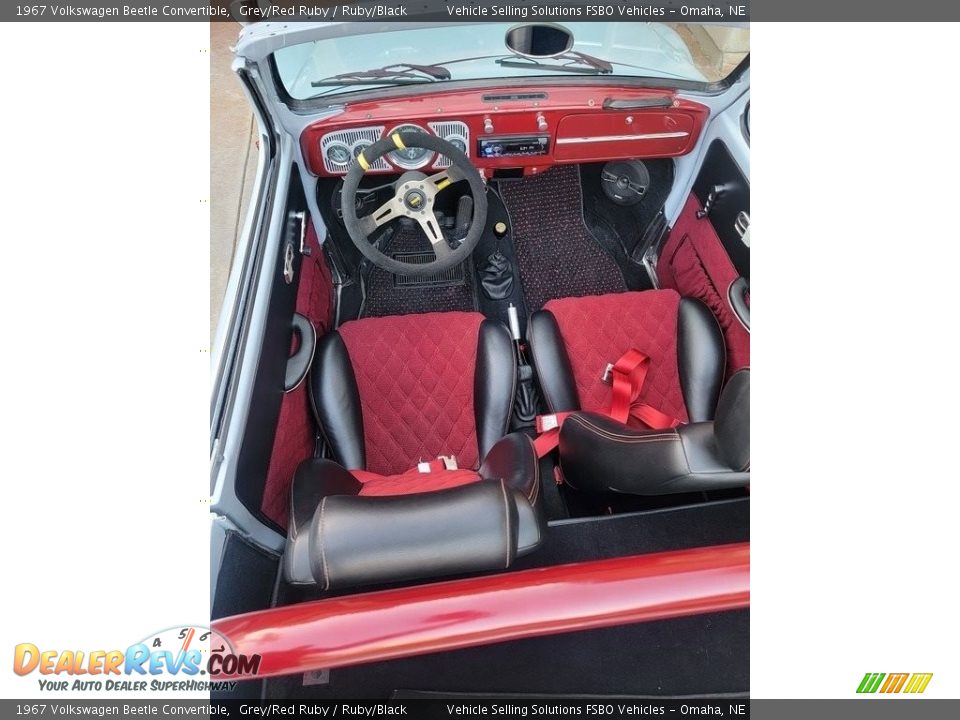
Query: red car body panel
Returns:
{"type": "Point", "coordinates": [457, 614]}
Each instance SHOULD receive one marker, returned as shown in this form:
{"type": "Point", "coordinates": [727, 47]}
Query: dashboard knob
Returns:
{"type": "Point", "coordinates": [541, 122]}
{"type": "Point", "coordinates": [487, 125]}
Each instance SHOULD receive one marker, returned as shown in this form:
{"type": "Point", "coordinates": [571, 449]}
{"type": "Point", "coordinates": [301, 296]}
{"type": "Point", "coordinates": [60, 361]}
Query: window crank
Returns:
{"type": "Point", "coordinates": [715, 193]}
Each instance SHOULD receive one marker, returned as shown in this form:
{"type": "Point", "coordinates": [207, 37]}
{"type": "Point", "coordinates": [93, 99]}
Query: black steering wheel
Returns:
{"type": "Point", "coordinates": [414, 195]}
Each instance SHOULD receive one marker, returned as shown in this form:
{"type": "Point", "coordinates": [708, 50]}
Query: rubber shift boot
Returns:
{"type": "Point", "coordinates": [496, 277]}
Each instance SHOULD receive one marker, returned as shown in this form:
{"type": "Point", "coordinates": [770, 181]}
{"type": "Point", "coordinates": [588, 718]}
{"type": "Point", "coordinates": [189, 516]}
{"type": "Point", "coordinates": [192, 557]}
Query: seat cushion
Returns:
{"type": "Point", "coordinates": [415, 380]}
{"type": "Point", "coordinates": [597, 330]}
{"type": "Point", "coordinates": [412, 481]}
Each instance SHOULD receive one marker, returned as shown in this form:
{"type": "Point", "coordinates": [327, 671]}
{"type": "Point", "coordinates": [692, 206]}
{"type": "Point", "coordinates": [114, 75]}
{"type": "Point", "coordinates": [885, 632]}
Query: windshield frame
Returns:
{"type": "Point", "coordinates": [387, 91]}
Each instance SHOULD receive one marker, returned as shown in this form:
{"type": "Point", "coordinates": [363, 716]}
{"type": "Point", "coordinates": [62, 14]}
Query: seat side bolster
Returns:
{"type": "Point", "coordinates": [600, 454]}
{"type": "Point", "coordinates": [733, 421]}
{"type": "Point", "coordinates": [552, 363]}
{"type": "Point", "coordinates": [701, 357]}
{"type": "Point", "coordinates": [357, 540]}
{"type": "Point", "coordinates": [336, 401]}
{"type": "Point", "coordinates": [314, 479]}
{"type": "Point", "coordinates": [494, 384]}
{"type": "Point", "coordinates": [514, 460]}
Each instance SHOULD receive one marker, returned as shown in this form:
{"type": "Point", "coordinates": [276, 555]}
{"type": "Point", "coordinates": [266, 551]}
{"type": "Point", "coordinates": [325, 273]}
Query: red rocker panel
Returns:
{"type": "Point", "coordinates": [480, 611]}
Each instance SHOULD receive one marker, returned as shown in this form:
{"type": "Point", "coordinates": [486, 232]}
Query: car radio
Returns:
{"type": "Point", "coordinates": [512, 146]}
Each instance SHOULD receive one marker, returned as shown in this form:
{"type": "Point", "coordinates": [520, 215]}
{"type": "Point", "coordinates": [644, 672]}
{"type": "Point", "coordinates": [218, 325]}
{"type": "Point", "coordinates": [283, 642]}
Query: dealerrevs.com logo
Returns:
{"type": "Point", "coordinates": [910, 683]}
{"type": "Point", "coordinates": [181, 659]}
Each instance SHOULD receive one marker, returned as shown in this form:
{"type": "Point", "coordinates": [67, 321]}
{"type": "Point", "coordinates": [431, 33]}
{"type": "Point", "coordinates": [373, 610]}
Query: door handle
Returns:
{"type": "Point", "coordinates": [299, 363]}
{"type": "Point", "coordinates": [741, 225]}
{"type": "Point", "coordinates": [737, 295]}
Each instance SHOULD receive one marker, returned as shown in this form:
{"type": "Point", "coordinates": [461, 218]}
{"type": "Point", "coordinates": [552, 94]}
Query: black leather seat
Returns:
{"type": "Point", "coordinates": [390, 396]}
{"type": "Point", "coordinates": [707, 446]}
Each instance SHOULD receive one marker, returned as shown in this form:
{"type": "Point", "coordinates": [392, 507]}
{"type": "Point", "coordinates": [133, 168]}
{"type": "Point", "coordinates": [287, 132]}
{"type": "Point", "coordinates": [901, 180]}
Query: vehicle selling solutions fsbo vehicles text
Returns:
{"type": "Point", "coordinates": [528, 11]}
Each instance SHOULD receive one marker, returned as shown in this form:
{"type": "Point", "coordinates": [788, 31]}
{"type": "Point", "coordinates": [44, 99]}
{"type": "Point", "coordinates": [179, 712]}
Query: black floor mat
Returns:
{"type": "Point", "coordinates": [385, 298]}
{"type": "Point", "coordinates": [557, 255]}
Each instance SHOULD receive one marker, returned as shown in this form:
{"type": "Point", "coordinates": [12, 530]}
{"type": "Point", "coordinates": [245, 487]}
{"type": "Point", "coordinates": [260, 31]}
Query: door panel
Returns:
{"type": "Point", "coordinates": [706, 255]}
{"type": "Point", "coordinates": [695, 263]}
{"type": "Point", "coordinates": [720, 171]}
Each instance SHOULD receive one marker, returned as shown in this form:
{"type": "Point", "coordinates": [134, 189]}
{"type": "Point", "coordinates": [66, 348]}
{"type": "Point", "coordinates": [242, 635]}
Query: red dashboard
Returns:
{"type": "Point", "coordinates": [526, 129]}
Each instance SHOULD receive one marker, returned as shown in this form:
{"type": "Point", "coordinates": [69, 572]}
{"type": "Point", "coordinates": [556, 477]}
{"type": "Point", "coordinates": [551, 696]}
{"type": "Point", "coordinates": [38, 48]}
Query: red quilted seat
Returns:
{"type": "Point", "coordinates": [597, 330]}
{"type": "Point", "coordinates": [412, 481]}
{"type": "Point", "coordinates": [415, 378]}
{"type": "Point", "coordinates": [674, 431]}
{"type": "Point", "coordinates": [388, 394]}
{"type": "Point", "coordinates": [574, 339]}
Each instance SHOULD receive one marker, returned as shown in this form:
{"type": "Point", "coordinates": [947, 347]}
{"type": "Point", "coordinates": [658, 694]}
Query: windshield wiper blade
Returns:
{"type": "Point", "coordinates": [392, 73]}
{"type": "Point", "coordinates": [578, 62]}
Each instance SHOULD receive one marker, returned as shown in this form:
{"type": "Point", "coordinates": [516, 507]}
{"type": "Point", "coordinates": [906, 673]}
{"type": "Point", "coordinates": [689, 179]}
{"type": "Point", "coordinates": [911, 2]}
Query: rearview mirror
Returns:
{"type": "Point", "coordinates": [539, 40]}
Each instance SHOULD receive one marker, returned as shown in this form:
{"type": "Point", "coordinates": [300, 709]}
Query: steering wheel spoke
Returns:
{"type": "Point", "coordinates": [390, 210]}
{"type": "Point", "coordinates": [431, 228]}
{"type": "Point", "coordinates": [443, 179]}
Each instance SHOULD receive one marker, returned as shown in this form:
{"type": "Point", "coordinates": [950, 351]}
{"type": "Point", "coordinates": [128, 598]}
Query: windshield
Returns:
{"type": "Point", "coordinates": [676, 51]}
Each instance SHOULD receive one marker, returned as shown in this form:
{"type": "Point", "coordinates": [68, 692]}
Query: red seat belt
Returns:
{"type": "Point", "coordinates": [628, 375]}
{"type": "Point", "coordinates": [548, 432]}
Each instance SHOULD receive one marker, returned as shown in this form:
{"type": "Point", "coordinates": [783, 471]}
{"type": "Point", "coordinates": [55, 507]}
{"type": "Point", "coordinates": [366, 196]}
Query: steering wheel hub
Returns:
{"type": "Point", "coordinates": [415, 200]}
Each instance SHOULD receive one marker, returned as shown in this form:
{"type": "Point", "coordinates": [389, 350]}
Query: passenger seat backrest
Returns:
{"type": "Point", "coordinates": [572, 340]}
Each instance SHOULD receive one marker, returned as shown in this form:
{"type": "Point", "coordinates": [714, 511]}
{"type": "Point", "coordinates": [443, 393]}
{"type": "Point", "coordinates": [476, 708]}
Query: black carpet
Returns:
{"type": "Point", "coordinates": [556, 254]}
{"type": "Point", "coordinates": [385, 299]}
{"type": "Point", "coordinates": [703, 654]}
{"type": "Point", "coordinates": [619, 228]}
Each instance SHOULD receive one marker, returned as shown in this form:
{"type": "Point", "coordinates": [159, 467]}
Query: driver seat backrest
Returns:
{"type": "Point", "coordinates": [390, 392]}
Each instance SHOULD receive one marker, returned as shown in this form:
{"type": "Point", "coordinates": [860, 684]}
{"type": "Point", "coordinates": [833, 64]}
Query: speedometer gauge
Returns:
{"type": "Point", "coordinates": [412, 157]}
{"type": "Point", "coordinates": [338, 154]}
{"type": "Point", "coordinates": [458, 141]}
{"type": "Point", "coordinates": [359, 146]}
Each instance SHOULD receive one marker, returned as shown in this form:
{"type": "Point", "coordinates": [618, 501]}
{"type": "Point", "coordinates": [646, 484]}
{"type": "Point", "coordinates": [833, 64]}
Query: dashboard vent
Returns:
{"type": "Point", "coordinates": [513, 97]}
{"type": "Point", "coordinates": [445, 130]}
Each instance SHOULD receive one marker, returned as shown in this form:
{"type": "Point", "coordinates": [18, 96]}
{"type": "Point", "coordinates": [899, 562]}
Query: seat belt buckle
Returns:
{"type": "Point", "coordinates": [547, 422]}
{"type": "Point", "coordinates": [607, 377]}
{"type": "Point", "coordinates": [442, 462]}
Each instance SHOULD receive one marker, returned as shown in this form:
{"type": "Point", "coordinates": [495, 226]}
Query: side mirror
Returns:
{"type": "Point", "coordinates": [539, 40]}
